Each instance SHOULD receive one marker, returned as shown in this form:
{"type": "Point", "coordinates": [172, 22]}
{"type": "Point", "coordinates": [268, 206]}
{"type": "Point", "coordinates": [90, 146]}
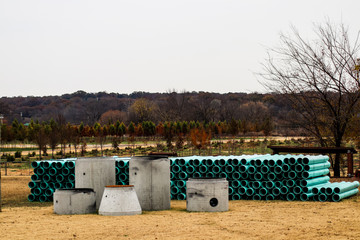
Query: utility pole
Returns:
{"type": "Point", "coordinates": [1, 122]}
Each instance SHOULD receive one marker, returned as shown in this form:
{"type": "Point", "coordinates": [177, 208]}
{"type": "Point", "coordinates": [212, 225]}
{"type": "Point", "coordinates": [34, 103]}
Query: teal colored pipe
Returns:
{"type": "Point", "coordinates": [198, 175]}
{"type": "Point", "coordinates": [243, 168]}
{"type": "Point", "coordinates": [290, 183]}
{"type": "Point", "coordinates": [234, 162]}
{"type": "Point", "coordinates": [196, 162]}
{"type": "Point", "coordinates": [209, 175]}
{"type": "Point", "coordinates": [269, 197]}
{"type": "Point", "coordinates": [338, 196]}
{"type": "Point", "coordinates": [251, 170]}
{"type": "Point", "coordinates": [299, 168]}
{"type": "Point", "coordinates": [264, 169]}
{"type": "Point", "coordinates": [66, 171]}
{"type": "Point", "coordinates": [181, 196]}
{"type": "Point", "coordinates": [250, 192]}
{"type": "Point", "coordinates": [117, 171]}
{"type": "Point", "coordinates": [46, 178]}
{"type": "Point", "coordinates": [236, 196]}
{"type": "Point", "coordinates": [49, 192]}
{"type": "Point", "coordinates": [175, 168]}
{"type": "Point", "coordinates": [256, 197]}
{"type": "Point", "coordinates": [317, 173]}
{"type": "Point", "coordinates": [256, 184]}
{"type": "Point", "coordinates": [231, 190]}
{"type": "Point", "coordinates": [43, 185]}
{"type": "Point", "coordinates": [182, 175]}
{"type": "Point", "coordinates": [32, 184]}
{"type": "Point", "coordinates": [216, 169]}
{"type": "Point", "coordinates": [236, 175]}
{"type": "Point", "coordinates": [45, 164]}
{"type": "Point", "coordinates": [346, 187]}
{"type": "Point", "coordinates": [69, 185]}
{"type": "Point", "coordinates": [123, 177]}
{"type": "Point", "coordinates": [306, 196]}
{"type": "Point", "coordinates": [269, 184]}
{"type": "Point", "coordinates": [322, 197]}
{"type": "Point", "coordinates": [297, 190]}
{"type": "Point", "coordinates": [180, 184]}
{"type": "Point", "coordinates": [203, 169]}
{"type": "Point", "coordinates": [275, 191]}
{"type": "Point", "coordinates": [39, 171]}
{"type": "Point", "coordinates": [244, 183]}
{"type": "Point", "coordinates": [242, 190]}
{"type": "Point", "coordinates": [181, 162]}
{"type": "Point", "coordinates": [235, 183]}
{"type": "Point", "coordinates": [292, 175]}
{"type": "Point", "coordinates": [31, 197]}
{"type": "Point", "coordinates": [244, 175]}
{"type": "Point", "coordinates": [37, 191]}
{"type": "Point", "coordinates": [35, 164]}
{"type": "Point", "coordinates": [59, 165]}
{"type": "Point", "coordinates": [209, 162]}
{"type": "Point", "coordinates": [278, 184]}
{"type": "Point", "coordinates": [271, 176]}
{"type": "Point", "coordinates": [272, 163]}
{"type": "Point", "coordinates": [229, 169]}
{"type": "Point", "coordinates": [284, 190]}
{"type": "Point", "coordinates": [258, 176]}
{"type": "Point", "coordinates": [71, 178]}
{"type": "Point", "coordinates": [58, 185]}
{"type": "Point", "coordinates": [172, 175]}
{"type": "Point", "coordinates": [190, 169]}
{"type": "Point", "coordinates": [318, 166]}
{"type": "Point", "coordinates": [314, 181]}
{"type": "Point", "coordinates": [316, 189]}
{"type": "Point", "coordinates": [290, 197]}
{"type": "Point", "coordinates": [35, 177]}
{"type": "Point", "coordinates": [263, 192]}
{"type": "Point", "coordinates": [43, 198]}
{"type": "Point", "coordinates": [277, 169]}
{"type": "Point", "coordinates": [52, 171]}
{"type": "Point", "coordinates": [70, 164]}
{"type": "Point", "coordinates": [314, 159]}
{"type": "Point", "coordinates": [285, 168]}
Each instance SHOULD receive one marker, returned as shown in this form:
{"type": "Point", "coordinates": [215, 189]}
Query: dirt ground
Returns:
{"type": "Point", "coordinates": [20, 219]}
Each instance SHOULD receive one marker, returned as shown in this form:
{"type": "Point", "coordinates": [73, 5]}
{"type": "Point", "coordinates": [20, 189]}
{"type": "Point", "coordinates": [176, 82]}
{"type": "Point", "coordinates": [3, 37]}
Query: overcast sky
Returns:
{"type": "Point", "coordinates": [53, 47]}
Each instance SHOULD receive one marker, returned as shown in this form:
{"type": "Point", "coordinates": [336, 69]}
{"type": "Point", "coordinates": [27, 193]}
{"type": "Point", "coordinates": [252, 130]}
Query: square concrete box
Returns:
{"type": "Point", "coordinates": [207, 195]}
{"type": "Point", "coordinates": [74, 201]}
{"type": "Point", "coordinates": [150, 176]}
{"type": "Point", "coordinates": [95, 173]}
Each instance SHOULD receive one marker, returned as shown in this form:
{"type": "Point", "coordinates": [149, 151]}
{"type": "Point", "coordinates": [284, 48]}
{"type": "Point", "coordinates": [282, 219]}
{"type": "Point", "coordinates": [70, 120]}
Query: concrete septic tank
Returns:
{"type": "Point", "coordinates": [119, 200]}
{"type": "Point", "coordinates": [74, 201]}
{"type": "Point", "coordinates": [150, 176]}
{"type": "Point", "coordinates": [95, 173]}
{"type": "Point", "coordinates": [207, 195]}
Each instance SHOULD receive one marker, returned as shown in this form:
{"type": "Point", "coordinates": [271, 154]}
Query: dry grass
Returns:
{"type": "Point", "coordinates": [245, 220]}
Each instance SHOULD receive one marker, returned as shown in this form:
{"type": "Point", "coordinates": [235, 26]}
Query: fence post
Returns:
{"type": "Point", "coordinates": [350, 163]}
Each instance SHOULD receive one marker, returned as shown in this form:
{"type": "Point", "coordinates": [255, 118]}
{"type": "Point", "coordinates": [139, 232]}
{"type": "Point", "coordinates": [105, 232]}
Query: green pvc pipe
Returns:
{"type": "Point", "coordinates": [196, 162]}
{"type": "Point", "coordinates": [71, 178]}
{"type": "Point", "coordinates": [290, 197]}
{"type": "Point", "coordinates": [278, 170]}
{"type": "Point", "coordinates": [234, 162]}
{"type": "Point", "coordinates": [314, 181]}
{"type": "Point", "coordinates": [216, 169]}
{"type": "Point", "coordinates": [256, 197]}
{"type": "Point", "coordinates": [299, 168]}
{"type": "Point", "coordinates": [190, 169]}
{"type": "Point", "coordinates": [59, 165]}
{"type": "Point", "coordinates": [52, 171]}
{"type": "Point", "coordinates": [209, 162]}
{"type": "Point", "coordinates": [316, 189]}
{"type": "Point", "coordinates": [249, 192]}
{"type": "Point", "coordinates": [242, 190]}
{"type": "Point", "coordinates": [236, 197]}
{"type": "Point", "coordinates": [346, 187]}
{"type": "Point", "coordinates": [39, 171]}
{"type": "Point", "coordinates": [44, 185]}
{"type": "Point", "coordinates": [35, 164]}
{"type": "Point", "coordinates": [244, 175]}
{"type": "Point", "coordinates": [338, 196]}
{"type": "Point", "coordinates": [60, 178]}
{"type": "Point", "coordinates": [269, 197]}
{"type": "Point", "coordinates": [198, 175]}
{"type": "Point", "coordinates": [284, 190]}
{"type": "Point", "coordinates": [175, 168]}
{"type": "Point", "coordinates": [243, 168]}
{"type": "Point", "coordinates": [31, 197]}
{"type": "Point", "coordinates": [122, 177]}
{"type": "Point", "coordinates": [57, 185]}
{"type": "Point", "coordinates": [182, 175]}
{"type": "Point", "coordinates": [314, 160]}
{"type": "Point", "coordinates": [270, 184]}
{"type": "Point", "coordinates": [43, 198]}
{"type": "Point", "coordinates": [49, 192]}
{"type": "Point", "coordinates": [322, 197]}
{"type": "Point", "coordinates": [181, 196]}
{"type": "Point", "coordinates": [45, 164]}
{"type": "Point", "coordinates": [32, 184]}
{"type": "Point", "coordinates": [235, 183]}
{"type": "Point", "coordinates": [125, 163]}
{"type": "Point", "coordinates": [318, 166]}
{"type": "Point", "coordinates": [263, 192]}
{"type": "Point", "coordinates": [317, 173]}
{"type": "Point", "coordinates": [231, 190]}
{"type": "Point", "coordinates": [35, 177]}
{"type": "Point", "coordinates": [285, 168]}
{"type": "Point", "coordinates": [180, 183]}
{"type": "Point", "coordinates": [276, 191]}
{"type": "Point", "coordinates": [37, 191]}
{"type": "Point", "coordinates": [70, 164]}
{"type": "Point", "coordinates": [271, 176]}
{"type": "Point", "coordinates": [46, 178]}
{"type": "Point", "coordinates": [235, 175]}
{"type": "Point", "coordinates": [278, 184]}
{"type": "Point", "coordinates": [297, 190]}
{"type": "Point", "coordinates": [203, 169]}
{"type": "Point", "coordinates": [181, 162]}
{"type": "Point", "coordinates": [264, 169]}
{"type": "Point", "coordinates": [256, 184]}
{"type": "Point", "coordinates": [244, 183]}
{"type": "Point", "coordinates": [210, 175]}
{"type": "Point", "coordinates": [258, 176]}
{"type": "Point", "coordinates": [292, 175]}
{"type": "Point", "coordinates": [69, 185]}
{"type": "Point", "coordinates": [251, 170]}
{"type": "Point", "coordinates": [290, 183]}
{"type": "Point", "coordinates": [306, 196]}
{"type": "Point", "coordinates": [172, 175]}
{"type": "Point", "coordinates": [229, 169]}
{"type": "Point", "coordinates": [117, 171]}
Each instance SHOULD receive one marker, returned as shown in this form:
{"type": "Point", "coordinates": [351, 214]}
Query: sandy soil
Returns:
{"type": "Point", "coordinates": [244, 220]}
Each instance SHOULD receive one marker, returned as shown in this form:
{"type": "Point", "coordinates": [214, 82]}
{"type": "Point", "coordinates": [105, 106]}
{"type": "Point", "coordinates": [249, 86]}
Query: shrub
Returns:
{"type": "Point", "coordinates": [18, 154]}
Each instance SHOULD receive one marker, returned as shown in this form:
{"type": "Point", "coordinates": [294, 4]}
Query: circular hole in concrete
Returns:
{"type": "Point", "coordinates": [214, 202]}
{"type": "Point", "coordinates": [135, 173]}
{"type": "Point", "coordinates": [83, 173]}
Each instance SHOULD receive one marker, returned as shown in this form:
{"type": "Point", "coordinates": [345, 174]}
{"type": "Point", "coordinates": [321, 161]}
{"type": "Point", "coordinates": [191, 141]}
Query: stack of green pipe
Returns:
{"type": "Point", "coordinates": [122, 170]}
{"type": "Point", "coordinates": [50, 175]}
{"type": "Point", "coordinates": [253, 177]}
{"type": "Point", "coordinates": [261, 177]}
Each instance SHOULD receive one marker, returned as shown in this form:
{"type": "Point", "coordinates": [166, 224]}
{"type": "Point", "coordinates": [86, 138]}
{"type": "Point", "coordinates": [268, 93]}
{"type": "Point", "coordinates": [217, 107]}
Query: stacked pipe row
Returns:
{"type": "Point", "coordinates": [263, 177]}
{"type": "Point", "coordinates": [51, 175]}
{"type": "Point", "coordinates": [122, 170]}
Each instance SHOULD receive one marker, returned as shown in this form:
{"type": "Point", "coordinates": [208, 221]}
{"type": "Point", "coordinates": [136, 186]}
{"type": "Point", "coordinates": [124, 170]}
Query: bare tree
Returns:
{"type": "Point", "coordinates": [318, 78]}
